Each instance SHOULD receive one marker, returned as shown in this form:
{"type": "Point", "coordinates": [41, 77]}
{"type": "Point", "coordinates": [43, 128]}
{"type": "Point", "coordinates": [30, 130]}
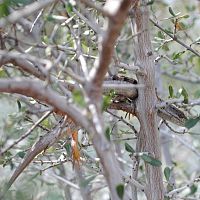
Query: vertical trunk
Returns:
{"type": "Point", "coordinates": [148, 139]}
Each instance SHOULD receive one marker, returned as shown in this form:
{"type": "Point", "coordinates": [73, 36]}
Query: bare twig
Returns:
{"type": "Point", "coordinates": [27, 133]}
{"type": "Point", "coordinates": [25, 12]}
{"type": "Point", "coordinates": [175, 38]}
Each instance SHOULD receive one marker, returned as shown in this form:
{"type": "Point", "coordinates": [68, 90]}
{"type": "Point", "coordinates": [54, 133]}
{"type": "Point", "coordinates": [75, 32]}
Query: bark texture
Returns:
{"type": "Point", "coordinates": [148, 139]}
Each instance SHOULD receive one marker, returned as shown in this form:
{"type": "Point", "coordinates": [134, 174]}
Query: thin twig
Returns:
{"type": "Point", "coordinates": [175, 38]}
{"type": "Point", "coordinates": [27, 133]}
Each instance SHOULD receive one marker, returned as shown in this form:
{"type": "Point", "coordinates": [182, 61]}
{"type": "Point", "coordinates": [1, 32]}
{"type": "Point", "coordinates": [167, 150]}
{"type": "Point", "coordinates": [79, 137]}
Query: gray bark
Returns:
{"type": "Point", "coordinates": [148, 138]}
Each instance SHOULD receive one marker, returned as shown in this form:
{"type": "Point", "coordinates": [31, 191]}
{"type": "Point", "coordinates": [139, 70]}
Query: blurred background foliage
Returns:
{"type": "Point", "coordinates": [177, 68]}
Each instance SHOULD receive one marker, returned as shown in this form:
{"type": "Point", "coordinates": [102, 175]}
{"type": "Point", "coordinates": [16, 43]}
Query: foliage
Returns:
{"type": "Point", "coordinates": [59, 48]}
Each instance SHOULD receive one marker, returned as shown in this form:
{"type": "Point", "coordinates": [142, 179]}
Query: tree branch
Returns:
{"type": "Point", "coordinates": [113, 30]}
{"type": "Point", "coordinates": [148, 137]}
{"type": "Point", "coordinates": [38, 90]}
{"type": "Point", "coordinates": [175, 38]}
{"type": "Point", "coordinates": [25, 12]}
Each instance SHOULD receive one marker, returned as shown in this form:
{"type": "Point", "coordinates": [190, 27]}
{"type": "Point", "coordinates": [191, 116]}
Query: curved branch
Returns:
{"type": "Point", "coordinates": [23, 64]}
{"type": "Point", "coordinates": [38, 90]}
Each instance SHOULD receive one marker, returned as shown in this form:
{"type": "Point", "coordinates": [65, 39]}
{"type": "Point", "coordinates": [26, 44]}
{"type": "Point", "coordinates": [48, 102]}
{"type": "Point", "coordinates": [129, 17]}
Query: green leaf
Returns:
{"type": "Point", "coordinates": [152, 161]}
{"type": "Point", "coordinates": [4, 10]}
{"type": "Point", "coordinates": [50, 18]}
{"type": "Point", "coordinates": [21, 154]}
{"type": "Point", "coordinates": [171, 91]}
{"type": "Point", "coordinates": [192, 122]}
{"type": "Point", "coordinates": [165, 47]}
{"type": "Point", "coordinates": [184, 94]}
{"type": "Point", "coordinates": [69, 7]}
{"type": "Point", "coordinates": [172, 12]}
{"type": "Point", "coordinates": [161, 35]}
{"type": "Point", "coordinates": [129, 148]}
{"type": "Point", "coordinates": [78, 98]}
{"type": "Point", "coordinates": [47, 123]}
{"type": "Point", "coordinates": [107, 133]}
{"type": "Point", "coordinates": [177, 55]}
{"type": "Point", "coordinates": [4, 6]}
{"type": "Point", "coordinates": [2, 71]}
{"type": "Point", "coordinates": [167, 172]}
{"type": "Point", "coordinates": [193, 189]}
{"type": "Point", "coordinates": [68, 148]}
{"type": "Point", "coordinates": [120, 190]}
{"type": "Point", "coordinates": [184, 16]}
{"type": "Point", "coordinates": [150, 2]}
{"type": "Point", "coordinates": [106, 102]}
{"type": "Point", "coordinates": [174, 72]}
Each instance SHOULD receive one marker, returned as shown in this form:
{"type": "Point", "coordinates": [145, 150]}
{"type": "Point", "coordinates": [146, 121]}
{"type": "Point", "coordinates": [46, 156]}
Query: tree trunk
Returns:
{"type": "Point", "coordinates": [148, 139]}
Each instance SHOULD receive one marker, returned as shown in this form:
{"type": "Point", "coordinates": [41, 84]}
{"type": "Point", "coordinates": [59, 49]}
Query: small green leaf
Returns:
{"type": "Point", "coordinates": [69, 7]}
{"type": "Point", "coordinates": [161, 35]}
{"type": "Point", "coordinates": [177, 55]}
{"type": "Point", "coordinates": [150, 2]}
{"type": "Point", "coordinates": [193, 189]}
{"type": "Point", "coordinates": [68, 148]}
{"type": "Point", "coordinates": [21, 154]}
{"type": "Point", "coordinates": [4, 10]}
{"type": "Point", "coordinates": [184, 94]}
{"type": "Point", "coordinates": [129, 148]}
{"type": "Point", "coordinates": [78, 98]}
{"type": "Point", "coordinates": [174, 72]}
{"type": "Point", "coordinates": [171, 91]}
{"type": "Point", "coordinates": [172, 12]}
{"type": "Point", "coordinates": [120, 190]}
{"type": "Point", "coordinates": [50, 18]}
{"type": "Point", "coordinates": [106, 102]}
{"type": "Point", "coordinates": [167, 172]}
{"type": "Point", "coordinates": [2, 71]}
{"type": "Point", "coordinates": [47, 123]}
{"type": "Point", "coordinates": [152, 161]}
{"type": "Point", "coordinates": [184, 16]}
{"type": "Point", "coordinates": [107, 133]}
{"type": "Point", "coordinates": [192, 122]}
{"type": "Point", "coordinates": [165, 47]}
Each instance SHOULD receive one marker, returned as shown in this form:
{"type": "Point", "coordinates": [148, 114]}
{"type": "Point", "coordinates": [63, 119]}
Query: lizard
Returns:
{"type": "Point", "coordinates": [127, 102]}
